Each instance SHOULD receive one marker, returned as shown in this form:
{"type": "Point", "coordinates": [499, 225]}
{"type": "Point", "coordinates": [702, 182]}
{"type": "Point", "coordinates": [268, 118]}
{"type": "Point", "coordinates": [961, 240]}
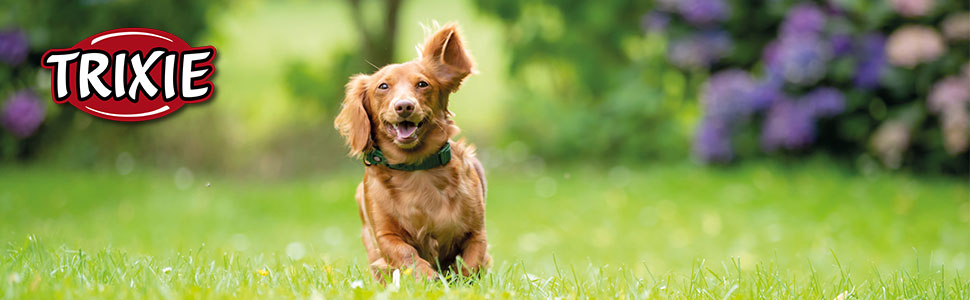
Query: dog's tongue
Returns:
{"type": "Point", "coordinates": [405, 129]}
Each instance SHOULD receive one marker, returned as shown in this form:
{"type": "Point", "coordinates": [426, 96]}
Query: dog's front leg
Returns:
{"type": "Point", "coordinates": [401, 254]}
{"type": "Point", "coordinates": [474, 254]}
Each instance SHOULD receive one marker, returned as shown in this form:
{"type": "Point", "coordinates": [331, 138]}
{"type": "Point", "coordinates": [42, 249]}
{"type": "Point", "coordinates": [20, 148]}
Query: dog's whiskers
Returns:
{"type": "Point", "coordinates": [372, 64]}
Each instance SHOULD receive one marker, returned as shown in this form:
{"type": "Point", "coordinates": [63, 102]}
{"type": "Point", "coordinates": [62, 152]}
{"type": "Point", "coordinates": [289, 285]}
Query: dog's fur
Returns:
{"type": "Point", "coordinates": [423, 219]}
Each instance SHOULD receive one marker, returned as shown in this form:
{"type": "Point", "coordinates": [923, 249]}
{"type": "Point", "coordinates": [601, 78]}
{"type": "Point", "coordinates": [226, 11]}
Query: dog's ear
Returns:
{"type": "Point", "coordinates": [353, 122]}
{"type": "Point", "coordinates": [445, 52]}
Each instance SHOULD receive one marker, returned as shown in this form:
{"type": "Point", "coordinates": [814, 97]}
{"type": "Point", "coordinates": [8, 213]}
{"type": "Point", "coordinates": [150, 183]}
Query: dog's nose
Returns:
{"type": "Point", "coordinates": [404, 108]}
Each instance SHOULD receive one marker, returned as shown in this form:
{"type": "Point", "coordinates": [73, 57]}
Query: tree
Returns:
{"type": "Point", "coordinates": [377, 44]}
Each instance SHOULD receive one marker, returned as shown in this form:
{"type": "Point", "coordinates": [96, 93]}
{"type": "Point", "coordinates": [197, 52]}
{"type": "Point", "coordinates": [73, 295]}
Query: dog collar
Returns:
{"type": "Point", "coordinates": [441, 158]}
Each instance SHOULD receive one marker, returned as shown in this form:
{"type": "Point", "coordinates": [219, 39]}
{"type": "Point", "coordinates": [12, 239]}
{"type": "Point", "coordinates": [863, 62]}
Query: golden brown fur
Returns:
{"type": "Point", "coordinates": [422, 219]}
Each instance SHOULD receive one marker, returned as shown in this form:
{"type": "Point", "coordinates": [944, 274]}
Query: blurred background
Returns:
{"type": "Point", "coordinates": [874, 85]}
{"type": "Point", "coordinates": [731, 128]}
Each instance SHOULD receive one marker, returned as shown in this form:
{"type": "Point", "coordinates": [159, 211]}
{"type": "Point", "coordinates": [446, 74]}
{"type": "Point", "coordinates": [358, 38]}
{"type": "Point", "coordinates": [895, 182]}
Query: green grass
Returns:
{"type": "Point", "coordinates": [757, 231]}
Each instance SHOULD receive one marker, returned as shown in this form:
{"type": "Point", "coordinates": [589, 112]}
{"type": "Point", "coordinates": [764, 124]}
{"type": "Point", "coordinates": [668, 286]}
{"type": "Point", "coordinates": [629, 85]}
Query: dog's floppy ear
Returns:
{"type": "Point", "coordinates": [445, 52]}
{"type": "Point", "coordinates": [353, 123]}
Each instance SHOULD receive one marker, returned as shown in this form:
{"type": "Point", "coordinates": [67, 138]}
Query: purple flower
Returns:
{"type": "Point", "coordinates": [699, 50]}
{"type": "Point", "coordinates": [823, 102]}
{"type": "Point", "coordinates": [799, 59]}
{"type": "Point", "coordinates": [766, 93]}
{"type": "Point", "coordinates": [704, 12]}
{"type": "Point", "coordinates": [769, 55]}
{"type": "Point", "coordinates": [655, 21]}
{"type": "Point", "coordinates": [788, 125]}
{"type": "Point", "coordinates": [713, 141]}
{"type": "Point", "coordinates": [841, 44]}
{"type": "Point", "coordinates": [871, 61]}
{"type": "Point", "coordinates": [22, 114]}
{"type": "Point", "coordinates": [804, 18]}
{"type": "Point", "coordinates": [729, 95]}
{"type": "Point", "coordinates": [13, 46]}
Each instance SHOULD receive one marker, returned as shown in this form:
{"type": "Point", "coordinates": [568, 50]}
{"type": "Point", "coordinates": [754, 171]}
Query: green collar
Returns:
{"type": "Point", "coordinates": [441, 158]}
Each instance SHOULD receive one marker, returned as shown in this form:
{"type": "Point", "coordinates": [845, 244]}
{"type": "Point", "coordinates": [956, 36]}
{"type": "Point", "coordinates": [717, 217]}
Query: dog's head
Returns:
{"type": "Point", "coordinates": [404, 107]}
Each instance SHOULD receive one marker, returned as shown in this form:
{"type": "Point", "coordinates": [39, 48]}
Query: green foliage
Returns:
{"type": "Point", "coordinates": [62, 23]}
{"type": "Point", "coordinates": [324, 89]}
{"type": "Point", "coordinates": [373, 48]}
{"type": "Point", "coordinates": [589, 83]}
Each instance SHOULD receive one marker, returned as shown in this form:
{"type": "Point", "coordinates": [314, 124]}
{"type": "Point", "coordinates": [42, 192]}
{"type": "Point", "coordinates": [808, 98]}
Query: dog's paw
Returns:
{"type": "Point", "coordinates": [381, 270]}
{"type": "Point", "coordinates": [423, 270]}
{"type": "Point", "coordinates": [473, 268]}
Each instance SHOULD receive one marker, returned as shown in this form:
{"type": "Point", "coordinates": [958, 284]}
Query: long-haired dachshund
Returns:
{"type": "Point", "coordinates": [422, 199]}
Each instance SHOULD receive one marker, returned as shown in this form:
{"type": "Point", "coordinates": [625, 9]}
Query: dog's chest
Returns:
{"type": "Point", "coordinates": [431, 206]}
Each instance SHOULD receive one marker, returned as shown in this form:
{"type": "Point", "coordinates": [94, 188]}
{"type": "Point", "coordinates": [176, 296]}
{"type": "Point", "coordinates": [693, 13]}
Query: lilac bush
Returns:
{"type": "Point", "coordinates": [699, 50]}
{"type": "Point", "coordinates": [800, 59]}
{"type": "Point", "coordinates": [881, 73]}
{"type": "Point", "coordinates": [729, 95]}
{"type": "Point", "coordinates": [22, 113]}
{"type": "Point", "coordinates": [803, 19]}
{"type": "Point", "coordinates": [788, 125]}
{"type": "Point", "coordinates": [791, 124]}
{"type": "Point", "coordinates": [13, 46]}
{"type": "Point", "coordinates": [871, 61]}
{"type": "Point", "coordinates": [713, 140]}
{"type": "Point", "coordinates": [823, 102]}
{"type": "Point", "coordinates": [703, 12]}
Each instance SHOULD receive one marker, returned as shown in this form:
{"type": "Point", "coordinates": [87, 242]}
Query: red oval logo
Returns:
{"type": "Point", "coordinates": [130, 74]}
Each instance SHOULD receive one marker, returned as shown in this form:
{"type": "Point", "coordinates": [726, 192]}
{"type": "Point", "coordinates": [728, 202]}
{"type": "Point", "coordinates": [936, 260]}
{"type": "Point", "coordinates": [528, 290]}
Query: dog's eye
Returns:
{"type": "Point", "coordinates": [422, 84]}
{"type": "Point", "coordinates": [383, 86]}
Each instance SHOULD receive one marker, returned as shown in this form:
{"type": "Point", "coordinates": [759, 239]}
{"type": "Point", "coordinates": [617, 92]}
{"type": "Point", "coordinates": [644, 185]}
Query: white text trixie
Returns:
{"type": "Point", "coordinates": [179, 72]}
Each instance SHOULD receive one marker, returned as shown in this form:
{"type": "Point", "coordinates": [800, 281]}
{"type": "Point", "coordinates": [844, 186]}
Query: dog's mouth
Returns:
{"type": "Point", "coordinates": [405, 132]}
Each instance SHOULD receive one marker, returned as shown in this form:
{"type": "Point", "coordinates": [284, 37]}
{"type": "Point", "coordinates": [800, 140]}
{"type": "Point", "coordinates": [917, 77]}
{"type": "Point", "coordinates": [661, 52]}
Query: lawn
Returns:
{"type": "Point", "coordinates": [755, 231]}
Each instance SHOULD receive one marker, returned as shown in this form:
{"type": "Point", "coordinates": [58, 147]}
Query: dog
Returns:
{"type": "Point", "coordinates": [422, 198]}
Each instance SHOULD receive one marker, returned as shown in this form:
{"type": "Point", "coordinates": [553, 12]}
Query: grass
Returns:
{"type": "Point", "coordinates": [756, 231]}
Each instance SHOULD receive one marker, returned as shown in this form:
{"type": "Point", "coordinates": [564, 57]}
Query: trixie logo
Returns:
{"type": "Point", "coordinates": [130, 74]}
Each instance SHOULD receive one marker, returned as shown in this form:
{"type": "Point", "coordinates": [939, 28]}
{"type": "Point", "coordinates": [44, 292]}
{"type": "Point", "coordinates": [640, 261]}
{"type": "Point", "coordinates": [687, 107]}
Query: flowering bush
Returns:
{"type": "Point", "coordinates": [847, 76]}
{"type": "Point", "coordinates": [21, 111]}
{"type": "Point", "coordinates": [22, 114]}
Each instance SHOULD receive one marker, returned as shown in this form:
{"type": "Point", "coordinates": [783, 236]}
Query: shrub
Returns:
{"type": "Point", "coordinates": [848, 77]}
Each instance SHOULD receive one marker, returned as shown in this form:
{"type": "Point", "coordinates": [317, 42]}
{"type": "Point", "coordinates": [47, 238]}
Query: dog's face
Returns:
{"type": "Point", "coordinates": [403, 104]}
{"type": "Point", "coordinates": [403, 100]}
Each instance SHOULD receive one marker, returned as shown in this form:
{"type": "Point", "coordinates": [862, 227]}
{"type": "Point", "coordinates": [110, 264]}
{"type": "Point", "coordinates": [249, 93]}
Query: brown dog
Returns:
{"type": "Point", "coordinates": [422, 200]}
